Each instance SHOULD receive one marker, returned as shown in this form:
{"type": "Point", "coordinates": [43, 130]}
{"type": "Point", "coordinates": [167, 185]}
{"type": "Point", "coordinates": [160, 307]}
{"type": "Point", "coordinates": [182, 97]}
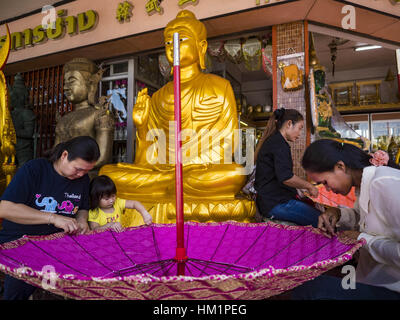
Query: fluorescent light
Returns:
{"type": "Point", "coordinates": [367, 48]}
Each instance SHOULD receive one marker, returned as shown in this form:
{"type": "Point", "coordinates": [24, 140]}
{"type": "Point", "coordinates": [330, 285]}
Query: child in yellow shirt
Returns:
{"type": "Point", "coordinates": [106, 208]}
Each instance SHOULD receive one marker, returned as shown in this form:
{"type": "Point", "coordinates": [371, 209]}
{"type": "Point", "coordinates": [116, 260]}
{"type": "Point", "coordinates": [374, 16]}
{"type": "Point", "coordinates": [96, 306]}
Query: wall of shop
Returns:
{"type": "Point", "coordinates": [107, 27]}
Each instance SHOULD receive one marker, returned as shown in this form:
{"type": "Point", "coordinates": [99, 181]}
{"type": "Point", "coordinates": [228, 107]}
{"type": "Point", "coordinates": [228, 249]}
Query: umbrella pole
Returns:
{"type": "Point", "coordinates": [180, 257]}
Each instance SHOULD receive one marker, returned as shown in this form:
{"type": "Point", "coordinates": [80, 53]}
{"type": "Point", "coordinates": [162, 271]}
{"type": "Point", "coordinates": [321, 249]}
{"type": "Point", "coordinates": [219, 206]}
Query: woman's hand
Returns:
{"type": "Point", "coordinates": [83, 226]}
{"type": "Point", "coordinates": [349, 234]}
{"type": "Point", "coordinates": [313, 191]}
{"type": "Point", "coordinates": [327, 221]}
{"type": "Point", "coordinates": [69, 225]}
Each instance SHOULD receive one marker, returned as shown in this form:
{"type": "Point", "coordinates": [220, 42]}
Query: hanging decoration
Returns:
{"type": "Point", "coordinates": [251, 50]}
{"type": "Point", "coordinates": [333, 49]}
{"type": "Point", "coordinates": [164, 66]}
{"type": "Point", "coordinates": [216, 49]}
{"type": "Point", "coordinates": [292, 74]}
{"type": "Point", "coordinates": [267, 60]}
{"type": "Point", "coordinates": [233, 49]}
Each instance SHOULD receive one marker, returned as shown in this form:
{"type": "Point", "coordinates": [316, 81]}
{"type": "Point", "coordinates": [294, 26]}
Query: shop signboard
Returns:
{"type": "Point", "coordinates": [71, 25]}
{"type": "Point", "coordinates": [391, 7]}
{"type": "Point", "coordinates": [85, 23]}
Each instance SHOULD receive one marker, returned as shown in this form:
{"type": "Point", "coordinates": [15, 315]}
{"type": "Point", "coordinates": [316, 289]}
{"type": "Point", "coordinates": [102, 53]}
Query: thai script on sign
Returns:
{"type": "Point", "coordinates": [71, 25]}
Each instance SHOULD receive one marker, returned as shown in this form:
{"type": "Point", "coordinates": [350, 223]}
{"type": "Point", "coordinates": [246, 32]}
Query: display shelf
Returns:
{"type": "Point", "coordinates": [256, 119]}
{"type": "Point", "coordinates": [382, 107]}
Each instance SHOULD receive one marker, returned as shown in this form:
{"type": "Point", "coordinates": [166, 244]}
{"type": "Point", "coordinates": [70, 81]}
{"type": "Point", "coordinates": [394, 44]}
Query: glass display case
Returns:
{"type": "Point", "coordinates": [379, 128]}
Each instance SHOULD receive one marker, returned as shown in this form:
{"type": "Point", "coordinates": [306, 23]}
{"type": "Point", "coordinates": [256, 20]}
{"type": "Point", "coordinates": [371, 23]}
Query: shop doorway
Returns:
{"type": "Point", "coordinates": [361, 79]}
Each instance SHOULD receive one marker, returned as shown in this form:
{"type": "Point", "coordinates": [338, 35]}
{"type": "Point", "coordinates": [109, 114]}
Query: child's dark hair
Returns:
{"type": "Point", "coordinates": [101, 186]}
{"type": "Point", "coordinates": [83, 147]}
{"type": "Point", "coordinates": [278, 118]}
{"type": "Point", "coordinates": [322, 156]}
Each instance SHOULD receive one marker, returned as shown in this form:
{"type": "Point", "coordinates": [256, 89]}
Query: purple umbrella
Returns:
{"type": "Point", "coordinates": [227, 260]}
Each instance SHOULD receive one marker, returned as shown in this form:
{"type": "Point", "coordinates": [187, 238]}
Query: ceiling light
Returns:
{"type": "Point", "coordinates": [367, 48]}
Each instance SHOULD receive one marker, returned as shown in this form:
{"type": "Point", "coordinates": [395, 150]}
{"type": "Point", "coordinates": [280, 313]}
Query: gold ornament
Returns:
{"type": "Point", "coordinates": [291, 77]}
{"type": "Point", "coordinates": [8, 137]}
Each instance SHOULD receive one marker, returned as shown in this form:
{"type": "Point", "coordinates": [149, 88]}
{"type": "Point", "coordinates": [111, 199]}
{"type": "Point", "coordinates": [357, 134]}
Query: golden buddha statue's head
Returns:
{"type": "Point", "coordinates": [193, 38]}
{"type": "Point", "coordinates": [81, 78]}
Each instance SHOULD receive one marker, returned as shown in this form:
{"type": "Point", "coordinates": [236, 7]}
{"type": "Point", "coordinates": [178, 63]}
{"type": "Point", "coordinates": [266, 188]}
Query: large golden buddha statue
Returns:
{"type": "Point", "coordinates": [210, 177]}
{"type": "Point", "coordinates": [87, 118]}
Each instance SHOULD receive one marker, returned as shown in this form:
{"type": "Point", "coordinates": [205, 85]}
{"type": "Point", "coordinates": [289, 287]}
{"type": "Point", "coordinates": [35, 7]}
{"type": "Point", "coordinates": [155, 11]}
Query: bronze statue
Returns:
{"type": "Point", "coordinates": [24, 120]}
{"type": "Point", "coordinates": [81, 79]}
{"type": "Point", "coordinates": [210, 178]}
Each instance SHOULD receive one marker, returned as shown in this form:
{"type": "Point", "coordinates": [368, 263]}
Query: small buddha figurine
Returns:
{"type": "Point", "coordinates": [81, 78]}
{"type": "Point", "coordinates": [208, 105]}
{"type": "Point", "coordinates": [24, 120]}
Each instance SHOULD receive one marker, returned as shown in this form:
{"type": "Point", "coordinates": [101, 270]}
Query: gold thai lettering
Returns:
{"type": "Point", "coordinates": [84, 21]}
{"type": "Point", "coordinates": [16, 40]}
{"type": "Point", "coordinates": [71, 23]}
{"type": "Point", "coordinates": [28, 35]}
{"type": "Point", "coordinates": [39, 35]}
{"type": "Point", "coordinates": [59, 27]}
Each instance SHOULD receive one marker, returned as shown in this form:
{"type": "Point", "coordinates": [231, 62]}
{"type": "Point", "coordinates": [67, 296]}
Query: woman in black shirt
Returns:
{"type": "Point", "coordinates": [274, 180]}
{"type": "Point", "coordinates": [34, 202]}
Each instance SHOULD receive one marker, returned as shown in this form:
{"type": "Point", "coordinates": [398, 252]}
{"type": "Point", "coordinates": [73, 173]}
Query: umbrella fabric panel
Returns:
{"type": "Point", "coordinates": [260, 246]}
{"type": "Point", "coordinates": [229, 244]}
{"type": "Point", "coordinates": [289, 247]}
{"type": "Point", "coordinates": [58, 252]}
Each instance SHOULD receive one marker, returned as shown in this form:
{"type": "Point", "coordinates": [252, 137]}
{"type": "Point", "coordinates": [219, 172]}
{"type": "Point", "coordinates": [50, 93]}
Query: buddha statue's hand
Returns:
{"type": "Point", "coordinates": [141, 110]}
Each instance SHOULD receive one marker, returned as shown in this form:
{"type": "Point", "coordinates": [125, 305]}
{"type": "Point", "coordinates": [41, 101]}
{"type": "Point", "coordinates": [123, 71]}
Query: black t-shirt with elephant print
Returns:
{"type": "Point", "coordinates": [38, 185]}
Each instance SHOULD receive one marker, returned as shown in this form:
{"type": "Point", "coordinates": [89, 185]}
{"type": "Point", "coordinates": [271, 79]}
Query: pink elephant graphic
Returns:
{"type": "Point", "coordinates": [67, 205]}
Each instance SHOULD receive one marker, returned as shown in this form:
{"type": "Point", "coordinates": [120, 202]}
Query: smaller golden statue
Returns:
{"type": "Point", "coordinates": [7, 132]}
{"type": "Point", "coordinates": [81, 79]}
